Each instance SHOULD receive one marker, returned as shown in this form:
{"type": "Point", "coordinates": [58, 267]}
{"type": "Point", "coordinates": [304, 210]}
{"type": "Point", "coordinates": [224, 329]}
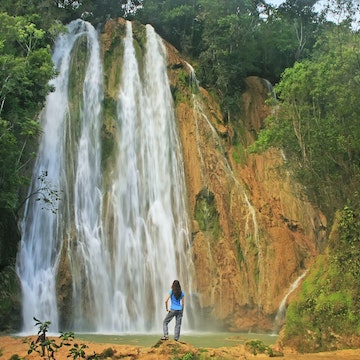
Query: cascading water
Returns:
{"type": "Point", "coordinates": [43, 231]}
{"type": "Point", "coordinates": [203, 125]}
{"type": "Point", "coordinates": [149, 190]}
{"type": "Point", "coordinates": [127, 238]}
{"type": "Point", "coordinates": [280, 315]}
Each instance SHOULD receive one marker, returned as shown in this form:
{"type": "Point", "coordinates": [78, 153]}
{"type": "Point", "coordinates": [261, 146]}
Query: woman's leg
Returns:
{"type": "Point", "coordinates": [179, 315]}
{"type": "Point", "coordinates": [166, 321]}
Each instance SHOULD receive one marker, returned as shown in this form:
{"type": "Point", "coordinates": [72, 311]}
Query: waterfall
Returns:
{"type": "Point", "coordinates": [42, 231]}
{"type": "Point", "coordinates": [126, 238]}
{"type": "Point", "coordinates": [204, 126]}
{"type": "Point", "coordinates": [280, 315]}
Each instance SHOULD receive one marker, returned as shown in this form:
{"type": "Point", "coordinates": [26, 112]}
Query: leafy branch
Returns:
{"type": "Point", "coordinates": [46, 347]}
{"type": "Point", "coordinates": [46, 193]}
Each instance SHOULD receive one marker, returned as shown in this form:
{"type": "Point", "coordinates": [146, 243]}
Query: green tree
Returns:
{"type": "Point", "coordinates": [9, 176]}
{"type": "Point", "coordinates": [176, 21]}
{"type": "Point", "coordinates": [317, 121]}
{"type": "Point", "coordinates": [304, 20]}
{"type": "Point", "coordinates": [230, 33]}
{"type": "Point", "coordinates": [287, 34]}
{"type": "Point", "coordinates": [232, 39]}
{"type": "Point", "coordinates": [325, 315]}
{"type": "Point", "coordinates": [343, 11]}
{"type": "Point", "coordinates": [26, 68]}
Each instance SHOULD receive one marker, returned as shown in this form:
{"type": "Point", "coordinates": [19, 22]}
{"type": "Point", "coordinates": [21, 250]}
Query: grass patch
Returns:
{"type": "Point", "coordinates": [206, 213]}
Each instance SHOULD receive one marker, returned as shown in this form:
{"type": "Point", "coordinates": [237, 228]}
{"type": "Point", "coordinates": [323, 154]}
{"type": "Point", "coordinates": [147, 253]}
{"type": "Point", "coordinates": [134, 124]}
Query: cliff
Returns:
{"type": "Point", "coordinates": [254, 233]}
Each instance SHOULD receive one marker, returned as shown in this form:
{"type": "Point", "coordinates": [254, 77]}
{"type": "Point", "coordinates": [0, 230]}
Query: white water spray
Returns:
{"type": "Point", "coordinates": [280, 315]}
{"type": "Point", "coordinates": [152, 225]}
{"type": "Point", "coordinates": [202, 123]}
{"type": "Point", "coordinates": [42, 231]}
{"type": "Point", "coordinates": [127, 241]}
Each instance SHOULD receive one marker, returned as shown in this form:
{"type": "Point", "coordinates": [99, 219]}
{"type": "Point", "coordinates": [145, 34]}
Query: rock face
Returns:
{"type": "Point", "coordinates": [254, 233]}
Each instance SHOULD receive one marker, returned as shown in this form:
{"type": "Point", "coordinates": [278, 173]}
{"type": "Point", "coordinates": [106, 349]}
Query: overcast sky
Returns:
{"type": "Point", "coordinates": [319, 6]}
{"type": "Point", "coordinates": [275, 2]}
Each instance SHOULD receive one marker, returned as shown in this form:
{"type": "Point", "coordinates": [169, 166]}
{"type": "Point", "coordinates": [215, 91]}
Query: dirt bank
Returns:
{"type": "Point", "coordinates": [162, 350]}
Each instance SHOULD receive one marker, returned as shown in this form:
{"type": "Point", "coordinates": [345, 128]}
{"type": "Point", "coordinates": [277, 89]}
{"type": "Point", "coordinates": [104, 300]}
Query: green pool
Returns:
{"type": "Point", "coordinates": [205, 340]}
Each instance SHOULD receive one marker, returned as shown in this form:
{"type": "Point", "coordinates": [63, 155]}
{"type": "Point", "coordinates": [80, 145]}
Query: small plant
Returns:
{"type": "Point", "coordinates": [77, 351]}
{"type": "Point", "coordinates": [188, 356]}
{"type": "Point", "coordinates": [46, 347]}
{"type": "Point", "coordinates": [258, 347]}
{"type": "Point", "coordinates": [14, 357]}
{"type": "Point", "coordinates": [108, 353]}
{"type": "Point", "coordinates": [43, 345]}
{"type": "Point", "coordinates": [95, 356]}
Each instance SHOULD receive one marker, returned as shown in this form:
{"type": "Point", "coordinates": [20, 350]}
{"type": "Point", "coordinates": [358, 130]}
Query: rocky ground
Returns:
{"type": "Point", "coordinates": [10, 346]}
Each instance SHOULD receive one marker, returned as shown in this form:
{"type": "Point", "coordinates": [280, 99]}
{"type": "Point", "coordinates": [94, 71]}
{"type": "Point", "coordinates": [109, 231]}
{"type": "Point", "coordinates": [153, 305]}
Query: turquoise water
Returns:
{"type": "Point", "coordinates": [206, 340]}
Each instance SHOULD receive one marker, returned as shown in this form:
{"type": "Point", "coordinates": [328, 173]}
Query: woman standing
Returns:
{"type": "Point", "coordinates": [176, 310]}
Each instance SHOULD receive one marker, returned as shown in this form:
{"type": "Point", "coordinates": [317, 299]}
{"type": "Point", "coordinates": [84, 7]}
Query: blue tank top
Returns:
{"type": "Point", "coordinates": [176, 303]}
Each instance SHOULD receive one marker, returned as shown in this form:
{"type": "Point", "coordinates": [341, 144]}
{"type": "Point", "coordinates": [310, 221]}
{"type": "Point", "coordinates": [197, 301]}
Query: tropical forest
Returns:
{"type": "Point", "coordinates": [217, 142]}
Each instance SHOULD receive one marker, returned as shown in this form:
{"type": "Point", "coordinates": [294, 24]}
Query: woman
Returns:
{"type": "Point", "coordinates": [176, 310]}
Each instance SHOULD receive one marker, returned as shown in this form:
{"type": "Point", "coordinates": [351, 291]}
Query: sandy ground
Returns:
{"type": "Point", "coordinates": [162, 350]}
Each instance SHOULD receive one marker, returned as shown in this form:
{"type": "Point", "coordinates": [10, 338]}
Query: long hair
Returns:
{"type": "Point", "coordinates": [176, 289]}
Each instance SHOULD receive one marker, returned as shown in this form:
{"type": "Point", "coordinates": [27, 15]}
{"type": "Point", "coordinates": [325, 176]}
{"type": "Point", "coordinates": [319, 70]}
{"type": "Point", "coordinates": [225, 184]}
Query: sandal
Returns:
{"type": "Point", "coordinates": [165, 338]}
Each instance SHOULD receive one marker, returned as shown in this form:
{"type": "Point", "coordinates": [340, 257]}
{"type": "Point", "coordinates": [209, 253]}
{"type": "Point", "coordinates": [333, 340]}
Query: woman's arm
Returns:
{"type": "Point", "coordinates": [166, 303]}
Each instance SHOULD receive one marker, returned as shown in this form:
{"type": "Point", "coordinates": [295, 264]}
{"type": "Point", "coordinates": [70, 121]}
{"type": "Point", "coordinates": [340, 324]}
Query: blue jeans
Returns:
{"type": "Point", "coordinates": [170, 315]}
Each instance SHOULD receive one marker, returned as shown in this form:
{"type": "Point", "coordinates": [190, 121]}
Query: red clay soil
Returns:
{"type": "Point", "coordinates": [163, 350]}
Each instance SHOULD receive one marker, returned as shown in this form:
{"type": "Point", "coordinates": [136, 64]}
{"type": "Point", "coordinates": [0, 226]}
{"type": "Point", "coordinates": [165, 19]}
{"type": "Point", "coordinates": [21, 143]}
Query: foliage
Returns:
{"type": "Point", "coordinates": [9, 176]}
{"type": "Point", "coordinates": [193, 356]}
{"type": "Point", "coordinates": [258, 347]}
{"type": "Point", "coordinates": [14, 357]}
{"type": "Point", "coordinates": [230, 42]}
{"type": "Point", "coordinates": [26, 68]}
{"type": "Point", "coordinates": [238, 154]}
{"type": "Point", "coordinates": [325, 315]}
{"type": "Point", "coordinates": [317, 121]}
{"type": "Point", "coordinates": [176, 22]}
{"type": "Point", "coordinates": [346, 249]}
{"type": "Point", "coordinates": [77, 351]}
{"type": "Point", "coordinates": [235, 39]}
{"type": "Point", "coordinates": [10, 307]}
{"type": "Point", "coordinates": [46, 347]}
{"type": "Point", "coordinates": [46, 193]}
{"type": "Point", "coordinates": [109, 352]}
{"type": "Point", "coordinates": [206, 213]}
{"type": "Point", "coordinates": [43, 345]}
{"type": "Point", "coordinates": [187, 356]}
{"type": "Point", "coordinates": [305, 23]}
{"type": "Point", "coordinates": [316, 124]}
